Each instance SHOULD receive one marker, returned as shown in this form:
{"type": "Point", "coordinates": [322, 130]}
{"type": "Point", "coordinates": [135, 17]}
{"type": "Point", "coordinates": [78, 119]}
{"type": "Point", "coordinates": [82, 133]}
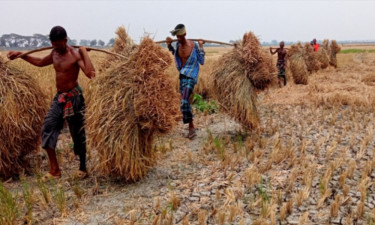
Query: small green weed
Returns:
{"type": "Point", "coordinates": [9, 208]}
{"type": "Point", "coordinates": [204, 106]}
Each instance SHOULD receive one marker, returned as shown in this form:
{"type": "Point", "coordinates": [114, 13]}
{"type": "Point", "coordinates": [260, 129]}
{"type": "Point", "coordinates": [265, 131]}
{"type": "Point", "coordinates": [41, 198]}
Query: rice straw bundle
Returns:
{"type": "Point", "coordinates": [325, 44]}
{"type": "Point", "coordinates": [22, 109]}
{"type": "Point", "coordinates": [205, 85]}
{"type": "Point", "coordinates": [129, 104]}
{"type": "Point", "coordinates": [297, 65]}
{"type": "Point", "coordinates": [238, 74]}
{"type": "Point", "coordinates": [257, 63]}
{"type": "Point", "coordinates": [123, 45]}
{"type": "Point", "coordinates": [235, 92]}
{"type": "Point", "coordinates": [334, 49]}
{"type": "Point", "coordinates": [323, 58]}
{"type": "Point", "coordinates": [312, 63]}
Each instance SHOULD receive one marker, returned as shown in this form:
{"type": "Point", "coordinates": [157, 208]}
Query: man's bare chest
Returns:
{"type": "Point", "coordinates": [185, 52]}
{"type": "Point", "coordinates": [62, 64]}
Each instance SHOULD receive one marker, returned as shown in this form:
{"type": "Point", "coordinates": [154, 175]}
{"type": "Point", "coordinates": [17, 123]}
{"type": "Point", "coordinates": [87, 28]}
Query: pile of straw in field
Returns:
{"type": "Point", "coordinates": [297, 65]}
{"type": "Point", "coordinates": [131, 102]}
{"type": "Point", "coordinates": [238, 74]}
{"type": "Point", "coordinates": [312, 63]}
{"type": "Point", "coordinates": [22, 109]}
{"type": "Point", "coordinates": [334, 49]}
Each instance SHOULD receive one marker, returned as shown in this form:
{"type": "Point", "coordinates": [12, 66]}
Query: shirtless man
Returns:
{"type": "Point", "coordinates": [281, 61]}
{"type": "Point", "coordinates": [188, 55]}
{"type": "Point", "coordinates": [68, 103]}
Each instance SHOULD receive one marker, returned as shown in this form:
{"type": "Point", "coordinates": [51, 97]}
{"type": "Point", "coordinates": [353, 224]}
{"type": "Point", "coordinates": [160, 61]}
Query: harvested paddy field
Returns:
{"type": "Point", "coordinates": [310, 161]}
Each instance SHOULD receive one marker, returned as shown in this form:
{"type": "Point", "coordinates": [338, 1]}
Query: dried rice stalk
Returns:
{"type": "Point", "coordinates": [323, 58]}
{"type": "Point", "coordinates": [123, 45]}
{"type": "Point", "coordinates": [257, 62]}
{"type": "Point", "coordinates": [236, 76]}
{"type": "Point", "coordinates": [22, 109]}
{"type": "Point", "coordinates": [297, 65]}
{"type": "Point", "coordinates": [334, 49]}
{"type": "Point", "coordinates": [129, 104]}
{"type": "Point", "coordinates": [310, 57]}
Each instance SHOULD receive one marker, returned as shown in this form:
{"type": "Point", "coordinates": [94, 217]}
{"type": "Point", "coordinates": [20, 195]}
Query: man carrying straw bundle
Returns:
{"type": "Point", "coordinates": [188, 55]}
{"type": "Point", "coordinates": [68, 104]}
{"type": "Point", "coordinates": [281, 61]}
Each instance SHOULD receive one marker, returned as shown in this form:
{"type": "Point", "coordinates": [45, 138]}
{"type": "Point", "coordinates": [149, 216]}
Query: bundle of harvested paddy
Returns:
{"type": "Point", "coordinates": [312, 63]}
{"type": "Point", "coordinates": [297, 65]}
{"type": "Point", "coordinates": [238, 74]}
{"type": "Point", "coordinates": [257, 63]}
{"type": "Point", "coordinates": [122, 45]}
{"type": "Point", "coordinates": [235, 91]}
{"type": "Point", "coordinates": [204, 86]}
{"type": "Point", "coordinates": [334, 49]}
{"type": "Point", "coordinates": [130, 103]}
{"type": "Point", "coordinates": [22, 109]}
{"type": "Point", "coordinates": [323, 57]}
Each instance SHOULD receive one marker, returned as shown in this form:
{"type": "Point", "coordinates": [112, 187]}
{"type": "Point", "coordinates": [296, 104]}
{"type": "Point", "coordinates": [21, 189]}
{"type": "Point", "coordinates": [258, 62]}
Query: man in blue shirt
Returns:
{"type": "Point", "coordinates": [188, 55]}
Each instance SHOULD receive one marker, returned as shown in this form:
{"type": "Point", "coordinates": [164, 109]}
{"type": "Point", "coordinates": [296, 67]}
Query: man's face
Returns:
{"type": "Point", "coordinates": [181, 38]}
{"type": "Point", "coordinates": [60, 45]}
{"type": "Point", "coordinates": [281, 44]}
{"type": "Point", "coordinates": [314, 41]}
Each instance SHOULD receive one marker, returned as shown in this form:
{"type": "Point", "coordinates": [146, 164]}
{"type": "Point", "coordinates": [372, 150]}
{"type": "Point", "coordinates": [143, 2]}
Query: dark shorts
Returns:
{"type": "Point", "coordinates": [281, 66]}
{"type": "Point", "coordinates": [54, 123]}
{"type": "Point", "coordinates": [186, 89]}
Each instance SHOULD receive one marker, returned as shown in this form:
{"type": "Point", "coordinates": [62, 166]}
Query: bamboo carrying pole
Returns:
{"type": "Point", "coordinates": [277, 48]}
{"type": "Point", "coordinates": [208, 41]}
{"type": "Point", "coordinates": [74, 46]}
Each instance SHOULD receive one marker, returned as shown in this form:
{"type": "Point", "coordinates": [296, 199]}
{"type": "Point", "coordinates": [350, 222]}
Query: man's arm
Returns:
{"type": "Point", "coordinates": [273, 52]}
{"type": "Point", "coordinates": [36, 61]}
{"type": "Point", "coordinates": [201, 52]}
{"type": "Point", "coordinates": [169, 44]}
{"type": "Point", "coordinates": [85, 63]}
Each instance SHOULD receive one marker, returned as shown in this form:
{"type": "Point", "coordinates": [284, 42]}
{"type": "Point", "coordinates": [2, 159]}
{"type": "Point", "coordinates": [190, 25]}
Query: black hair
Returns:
{"type": "Point", "coordinates": [57, 33]}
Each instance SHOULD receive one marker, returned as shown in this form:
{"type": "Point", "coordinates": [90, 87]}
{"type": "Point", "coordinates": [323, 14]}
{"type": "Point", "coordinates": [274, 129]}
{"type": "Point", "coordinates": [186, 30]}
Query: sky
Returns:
{"type": "Point", "coordinates": [279, 20]}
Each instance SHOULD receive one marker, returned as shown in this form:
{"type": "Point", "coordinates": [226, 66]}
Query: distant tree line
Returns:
{"type": "Point", "coordinates": [16, 41]}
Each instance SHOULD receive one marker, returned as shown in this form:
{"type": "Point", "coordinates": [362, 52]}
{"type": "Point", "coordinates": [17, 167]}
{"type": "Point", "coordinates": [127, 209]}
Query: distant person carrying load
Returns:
{"type": "Point", "coordinates": [68, 103]}
{"type": "Point", "coordinates": [315, 45]}
{"type": "Point", "coordinates": [281, 61]}
{"type": "Point", "coordinates": [188, 55]}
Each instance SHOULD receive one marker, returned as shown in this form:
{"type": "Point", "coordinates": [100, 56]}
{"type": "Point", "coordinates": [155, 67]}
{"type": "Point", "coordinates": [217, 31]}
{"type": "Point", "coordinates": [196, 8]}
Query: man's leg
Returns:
{"type": "Point", "coordinates": [53, 123]}
{"type": "Point", "coordinates": [279, 74]}
{"type": "Point", "coordinates": [77, 131]}
{"type": "Point", "coordinates": [283, 75]}
{"type": "Point", "coordinates": [54, 165]}
{"type": "Point", "coordinates": [186, 89]}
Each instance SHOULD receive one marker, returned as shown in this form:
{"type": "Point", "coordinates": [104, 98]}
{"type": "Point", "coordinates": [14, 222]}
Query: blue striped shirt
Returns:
{"type": "Point", "coordinates": [191, 66]}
